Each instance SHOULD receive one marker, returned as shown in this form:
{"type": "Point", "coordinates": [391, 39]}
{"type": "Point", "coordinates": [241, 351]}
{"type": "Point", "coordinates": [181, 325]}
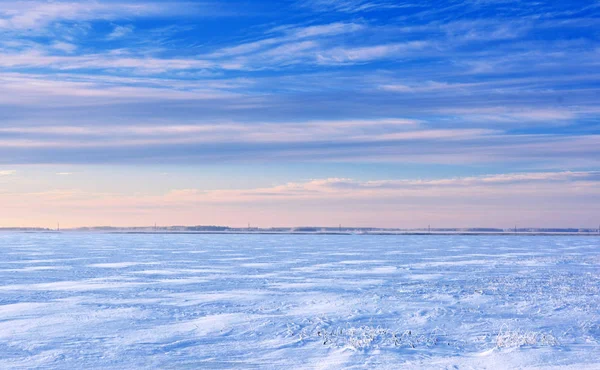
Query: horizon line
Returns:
{"type": "Point", "coordinates": [299, 228]}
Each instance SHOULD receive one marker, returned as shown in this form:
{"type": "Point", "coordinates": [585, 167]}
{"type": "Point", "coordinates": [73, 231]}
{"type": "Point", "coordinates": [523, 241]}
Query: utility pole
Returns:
{"type": "Point", "coordinates": [429, 229]}
{"type": "Point", "coordinates": [340, 229]}
{"type": "Point", "coordinates": [58, 226]}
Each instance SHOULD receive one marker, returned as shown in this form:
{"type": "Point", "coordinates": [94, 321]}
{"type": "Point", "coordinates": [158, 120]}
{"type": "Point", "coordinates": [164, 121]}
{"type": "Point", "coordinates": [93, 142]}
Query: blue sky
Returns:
{"type": "Point", "coordinates": [131, 102]}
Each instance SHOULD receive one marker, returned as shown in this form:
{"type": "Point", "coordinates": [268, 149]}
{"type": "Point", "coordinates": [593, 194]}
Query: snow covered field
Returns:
{"type": "Point", "coordinates": [116, 301]}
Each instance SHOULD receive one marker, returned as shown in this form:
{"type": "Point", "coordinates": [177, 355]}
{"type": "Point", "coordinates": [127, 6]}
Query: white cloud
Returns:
{"type": "Point", "coordinates": [341, 131]}
{"type": "Point", "coordinates": [325, 30]}
{"type": "Point", "coordinates": [119, 32]}
{"type": "Point", "coordinates": [462, 182]}
{"type": "Point", "coordinates": [290, 45]}
{"type": "Point", "coordinates": [36, 14]}
{"type": "Point", "coordinates": [37, 58]}
{"type": "Point", "coordinates": [368, 53]}
{"type": "Point", "coordinates": [515, 114]}
{"type": "Point", "coordinates": [7, 172]}
{"type": "Point", "coordinates": [27, 90]}
{"type": "Point", "coordinates": [486, 30]}
{"type": "Point", "coordinates": [64, 46]}
{"type": "Point", "coordinates": [349, 6]}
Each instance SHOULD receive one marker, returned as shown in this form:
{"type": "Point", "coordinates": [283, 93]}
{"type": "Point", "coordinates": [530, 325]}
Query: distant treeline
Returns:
{"type": "Point", "coordinates": [308, 229]}
{"type": "Point", "coordinates": [317, 229]}
{"type": "Point", "coordinates": [24, 229]}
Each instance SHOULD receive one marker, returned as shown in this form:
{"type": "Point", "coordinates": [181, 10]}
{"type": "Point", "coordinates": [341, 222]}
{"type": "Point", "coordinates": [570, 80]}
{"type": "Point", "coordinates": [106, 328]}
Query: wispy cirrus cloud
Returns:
{"type": "Point", "coordinates": [340, 42]}
{"type": "Point", "coordinates": [38, 14]}
{"type": "Point", "coordinates": [256, 132]}
{"type": "Point", "coordinates": [369, 53]}
{"type": "Point", "coordinates": [291, 34]}
{"type": "Point", "coordinates": [64, 46]}
{"type": "Point", "coordinates": [339, 188]}
{"type": "Point", "coordinates": [35, 14]}
{"type": "Point", "coordinates": [119, 32]}
{"type": "Point", "coordinates": [466, 182]}
{"type": "Point", "coordinates": [40, 59]}
{"type": "Point", "coordinates": [515, 115]}
{"type": "Point", "coordinates": [349, 6]}
{"type": "Point", "coordinates": [80, 90]}
{"type": "Point", "coordinates": [294, 45]}
{"type": "Point", "coordinates": [284, 142]}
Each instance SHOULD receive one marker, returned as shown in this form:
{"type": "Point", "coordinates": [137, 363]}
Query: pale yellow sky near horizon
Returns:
{"type": "Point", "coordinates": [552, 199]}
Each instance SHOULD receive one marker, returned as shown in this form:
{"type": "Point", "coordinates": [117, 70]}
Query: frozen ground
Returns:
{"type": "Point", "coordinates": [75, 301]}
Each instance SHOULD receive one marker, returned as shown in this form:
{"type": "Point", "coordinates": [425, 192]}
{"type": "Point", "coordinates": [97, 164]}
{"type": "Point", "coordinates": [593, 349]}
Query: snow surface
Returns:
{"type": "Point", "coordinates": [116, 301]}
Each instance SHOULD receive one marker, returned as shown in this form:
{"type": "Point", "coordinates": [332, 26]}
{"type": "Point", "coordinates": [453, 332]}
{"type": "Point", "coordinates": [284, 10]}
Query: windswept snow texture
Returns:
{"type": "Point", "coordinates": [114, 301]}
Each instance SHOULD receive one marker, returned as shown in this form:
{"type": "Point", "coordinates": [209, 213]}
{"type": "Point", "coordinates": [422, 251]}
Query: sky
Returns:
{"type": "Point", "coordinates": [375, 113]}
